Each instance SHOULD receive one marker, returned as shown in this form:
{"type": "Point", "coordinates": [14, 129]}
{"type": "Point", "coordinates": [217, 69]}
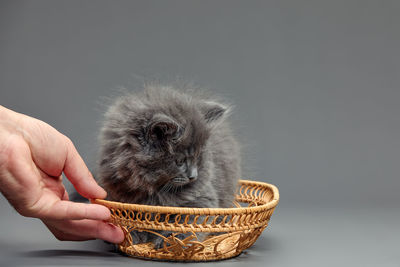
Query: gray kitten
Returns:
{"type": "Point", "coordinates": [168, 148]}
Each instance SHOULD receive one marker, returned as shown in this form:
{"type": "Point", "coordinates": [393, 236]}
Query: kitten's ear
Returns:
{"type": "Point", "coordinates": [214, 112]}
{"type": "Point", "coordinates": [162, 128]}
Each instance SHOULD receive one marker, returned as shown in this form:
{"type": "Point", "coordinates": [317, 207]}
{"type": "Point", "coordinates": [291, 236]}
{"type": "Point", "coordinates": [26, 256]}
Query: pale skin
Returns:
{"type": "Point", "coordinates": [33, 156]}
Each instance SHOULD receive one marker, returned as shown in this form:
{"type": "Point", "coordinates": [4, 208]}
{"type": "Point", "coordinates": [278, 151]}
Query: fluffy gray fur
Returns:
{"type": "Point", "coordinates": [168, 148]}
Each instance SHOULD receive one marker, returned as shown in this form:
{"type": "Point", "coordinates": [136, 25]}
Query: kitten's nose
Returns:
{"type": "Point", "coordinates": [193, 173]}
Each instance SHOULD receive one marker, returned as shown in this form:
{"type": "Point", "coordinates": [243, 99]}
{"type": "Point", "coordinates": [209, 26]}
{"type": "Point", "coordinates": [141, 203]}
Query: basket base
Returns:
{"type": "Point", "coordinates": [215, 250]}
{"type": "Point", "coordinates": [180, 260]}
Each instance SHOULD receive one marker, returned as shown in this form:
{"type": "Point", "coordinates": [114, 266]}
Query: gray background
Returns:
{"type": "Point", "coordinates": [316, 85]}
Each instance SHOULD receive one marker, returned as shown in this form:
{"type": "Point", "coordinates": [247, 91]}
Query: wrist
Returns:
{"type": "Point", "coordinates": [5, 113]}
{"type": "Point", "coordinates": [10, 123]}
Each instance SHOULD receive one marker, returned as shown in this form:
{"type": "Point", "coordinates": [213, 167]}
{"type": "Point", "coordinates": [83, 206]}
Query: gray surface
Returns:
{"type": "Point", "coordinates": [316, 86]}
{"type": "Point", "coordinates": [295, 237]}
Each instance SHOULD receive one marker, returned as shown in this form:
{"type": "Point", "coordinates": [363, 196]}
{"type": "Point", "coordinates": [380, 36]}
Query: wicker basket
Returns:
{"type": "Point", "coordinates": [229, 231]}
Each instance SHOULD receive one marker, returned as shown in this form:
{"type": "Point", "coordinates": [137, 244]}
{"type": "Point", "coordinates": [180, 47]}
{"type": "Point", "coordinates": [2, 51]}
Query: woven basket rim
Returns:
{"type": "Point", "coordinates": [199, 211]}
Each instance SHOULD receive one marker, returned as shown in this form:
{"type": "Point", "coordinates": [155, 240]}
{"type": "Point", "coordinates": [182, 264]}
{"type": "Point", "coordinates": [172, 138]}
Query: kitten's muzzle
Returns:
{"type": "Point", "coordinates": [180, 180]}
{"type": "Point", "coordinates": [191, 176]}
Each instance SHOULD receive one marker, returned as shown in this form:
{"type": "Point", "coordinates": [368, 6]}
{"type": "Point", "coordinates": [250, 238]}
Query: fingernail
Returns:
{"type": "Point", "coordinates": [104, 192]}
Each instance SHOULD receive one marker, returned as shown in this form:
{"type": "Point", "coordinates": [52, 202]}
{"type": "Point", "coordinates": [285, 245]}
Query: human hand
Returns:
{"type": "Point", "coordinates": [33, 156]}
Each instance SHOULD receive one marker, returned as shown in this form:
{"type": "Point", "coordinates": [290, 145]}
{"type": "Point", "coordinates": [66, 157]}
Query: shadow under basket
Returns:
{"type": "Point", "coordinates": [197, 234]}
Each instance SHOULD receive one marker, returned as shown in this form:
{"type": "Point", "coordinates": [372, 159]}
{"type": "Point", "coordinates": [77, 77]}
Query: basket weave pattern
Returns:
{"type": "Point", "coordinates": [229, 230]}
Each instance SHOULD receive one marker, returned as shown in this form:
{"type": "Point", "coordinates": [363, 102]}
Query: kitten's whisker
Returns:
{"type": "Point", "coordinates": [166, 188]}
{"type": "Point", "coordinates": [162, 190]}
{"type": "Point", "coordinates": [170, 187]}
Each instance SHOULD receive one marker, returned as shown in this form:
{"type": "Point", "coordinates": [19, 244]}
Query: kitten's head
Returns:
{"type": "Point", "coordinates": [158, 142]}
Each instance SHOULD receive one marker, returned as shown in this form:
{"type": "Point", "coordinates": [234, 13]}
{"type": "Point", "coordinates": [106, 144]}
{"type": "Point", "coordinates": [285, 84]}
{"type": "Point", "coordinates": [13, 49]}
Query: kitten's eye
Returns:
{"type": "Point", "coordinates": [180, 162]}
{"type": "Point", "coordinates": [199, 159]}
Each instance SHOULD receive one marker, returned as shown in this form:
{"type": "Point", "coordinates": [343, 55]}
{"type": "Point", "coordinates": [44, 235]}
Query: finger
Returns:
{"type": "Point", "coordinates": [100, 230]}
{"type": "Point", "coordinates": [55, 228]}
{"type": "Point", "coordinates": [67, 210]}
{"type": "Point", "coordinates": [85, 230]}
{"type": "Point", "coordinates": [80, 176]}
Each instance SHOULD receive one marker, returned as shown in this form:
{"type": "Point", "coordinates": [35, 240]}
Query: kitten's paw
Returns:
{"type": "Point", "coordinates": [139, 237]}
{"type": "Point", "coordinates": [158, 242]}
